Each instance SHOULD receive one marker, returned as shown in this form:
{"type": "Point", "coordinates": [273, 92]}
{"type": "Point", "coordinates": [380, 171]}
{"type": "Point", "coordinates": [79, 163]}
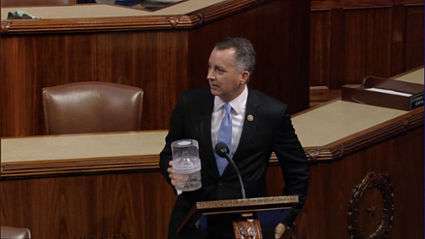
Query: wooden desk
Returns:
{"type": "Point", "coordinates": [110, 186]}
{"type": "Point", "coordinates": [163, 52]}
{"type": "Point", "coordinates": [414, 76]}
{"type": "Point", "coordinates": [81, 153]}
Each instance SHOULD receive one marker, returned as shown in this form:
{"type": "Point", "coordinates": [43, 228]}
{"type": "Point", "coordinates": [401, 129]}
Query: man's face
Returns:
{"type": "Point", "coordinates": [225, 78]}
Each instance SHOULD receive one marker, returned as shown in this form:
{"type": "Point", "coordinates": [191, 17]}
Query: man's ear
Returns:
{"type": "Point", "coordinates": [245, 77]}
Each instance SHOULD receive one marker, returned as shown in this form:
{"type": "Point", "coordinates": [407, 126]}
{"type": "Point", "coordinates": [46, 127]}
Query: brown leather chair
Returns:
{"type": "Point", "coordinates": [14, 233]}
{"type": "Point", "coordinates": [92, 106]}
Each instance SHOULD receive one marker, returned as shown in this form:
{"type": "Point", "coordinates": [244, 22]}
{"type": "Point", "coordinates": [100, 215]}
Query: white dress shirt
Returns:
{"type": "Point", "coordinates": [238, 115]}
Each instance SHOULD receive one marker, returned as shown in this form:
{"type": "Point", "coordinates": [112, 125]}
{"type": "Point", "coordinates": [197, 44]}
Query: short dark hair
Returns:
{"type": "Point", "coordinates": [244, 51]}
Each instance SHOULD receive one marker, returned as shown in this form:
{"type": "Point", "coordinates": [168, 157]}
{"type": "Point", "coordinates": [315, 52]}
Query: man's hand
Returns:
{"type": "Point", "coordinates": [279, 230]}
{"type": "Point", "coordinates": [177, 180]}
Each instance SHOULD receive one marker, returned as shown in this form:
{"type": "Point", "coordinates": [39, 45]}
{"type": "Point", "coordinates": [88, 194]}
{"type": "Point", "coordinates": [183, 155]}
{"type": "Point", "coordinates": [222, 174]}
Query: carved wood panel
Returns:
{"type": "Point", "coordinates": [371, 208]}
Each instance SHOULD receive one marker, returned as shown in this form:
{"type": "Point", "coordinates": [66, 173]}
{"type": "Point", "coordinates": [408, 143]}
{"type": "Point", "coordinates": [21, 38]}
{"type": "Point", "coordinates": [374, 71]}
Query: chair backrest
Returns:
{"type": "Point", "coordinates": [15, 233]}
{"type": "Point", "coordinates": [92, 106]}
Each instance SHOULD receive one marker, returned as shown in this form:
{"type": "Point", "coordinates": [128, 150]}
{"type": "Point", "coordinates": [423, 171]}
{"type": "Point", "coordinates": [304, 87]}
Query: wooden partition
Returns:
{"type": "Point", "coordinates": [163, 52]}
{"type": "Point", "coordinates": [366, 168]}
{"type": "Point", "coordinates": [357, 191]}
{"type": "Point", "coordinates": [356, 38]}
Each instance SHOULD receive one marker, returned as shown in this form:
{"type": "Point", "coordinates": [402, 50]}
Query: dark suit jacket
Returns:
{"type": "Point", "coordinates": [269, 131]}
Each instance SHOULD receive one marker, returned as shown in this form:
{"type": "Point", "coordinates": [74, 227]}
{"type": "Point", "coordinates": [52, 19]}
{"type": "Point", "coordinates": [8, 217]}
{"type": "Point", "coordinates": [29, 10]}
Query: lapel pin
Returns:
{"type": "Point", "coordinates": [250, 118]}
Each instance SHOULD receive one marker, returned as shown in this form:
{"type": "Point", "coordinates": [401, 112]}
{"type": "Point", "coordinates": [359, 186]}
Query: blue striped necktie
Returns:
{"type": "Point", "coordinates": [224, 136]}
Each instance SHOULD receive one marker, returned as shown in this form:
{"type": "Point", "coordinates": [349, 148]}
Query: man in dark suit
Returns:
{"type": "Point", "coordinates": [259, 125]}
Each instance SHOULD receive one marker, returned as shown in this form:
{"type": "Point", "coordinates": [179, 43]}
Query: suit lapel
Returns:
{"type": "Point", "coordinates": [250, 123]}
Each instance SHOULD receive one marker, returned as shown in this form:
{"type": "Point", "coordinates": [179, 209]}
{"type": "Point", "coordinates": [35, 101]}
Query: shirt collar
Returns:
{"type": "Point", "coordinates": [238, 104]}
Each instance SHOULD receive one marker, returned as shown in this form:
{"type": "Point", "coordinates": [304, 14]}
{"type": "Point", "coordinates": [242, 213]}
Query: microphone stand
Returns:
{"type": "Point", "coordinates": [222, 150]}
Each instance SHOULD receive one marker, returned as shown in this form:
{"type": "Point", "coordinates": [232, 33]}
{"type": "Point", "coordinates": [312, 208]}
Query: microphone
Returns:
{"type": "Point", "coordinates": [222, 150]}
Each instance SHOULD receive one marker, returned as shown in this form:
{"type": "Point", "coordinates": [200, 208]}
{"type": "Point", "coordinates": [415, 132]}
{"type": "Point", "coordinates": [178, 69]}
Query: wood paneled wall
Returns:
{"type": "Point", "coordinates": [131, 205]}
{"type": "Point", "coordinates": [33, 62]}
{"type": "Point", "coordinates": [353, 39]}
{"type": "Point", "coordinates": [163, 62]}
{"type": "Point", "coordinates": [350, 38]}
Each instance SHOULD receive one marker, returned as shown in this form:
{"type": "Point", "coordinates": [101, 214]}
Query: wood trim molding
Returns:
{"type": "Point", "coordinates": [365, 138]}
{"type": "Point", "coordinates": [191, 20]}
{"type": "Point", "coordinates": [91, 165]}
{"type": "Point", "coordinates": [333, 151]}
{"type": "Point", "coordinates": [98, 24]}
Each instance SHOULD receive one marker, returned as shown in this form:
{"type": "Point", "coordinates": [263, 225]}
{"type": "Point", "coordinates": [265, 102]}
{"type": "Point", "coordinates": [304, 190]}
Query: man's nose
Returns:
{"type": "Point", "coordinates": [210, 75]}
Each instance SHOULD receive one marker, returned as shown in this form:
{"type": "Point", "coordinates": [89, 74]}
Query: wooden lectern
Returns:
{"type": "Point", "coordinates": [248, 226]}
